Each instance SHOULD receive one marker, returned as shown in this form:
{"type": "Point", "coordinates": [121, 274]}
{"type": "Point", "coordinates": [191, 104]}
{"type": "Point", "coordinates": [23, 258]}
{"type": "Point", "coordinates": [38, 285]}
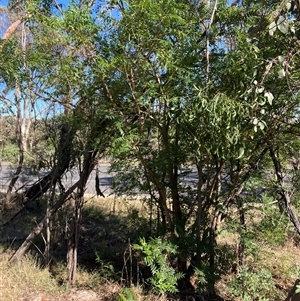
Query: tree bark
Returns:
{"type": "Point", "coordinates": [73, 240]}
{"type": "Point", "coordinates": [88, 165]}
{"type": "Point", "coordinates": [11, 29]}
{"type": "Point", "coordinates": [20, 140]}
{"type": "Point", "coordinates": [48, 226]}
{"type": "Point", "coordinates": [62, 164]}
{"type": "Point", "coordinates": [241, 245]}
{"type": "Point", "coordinates": [199, 210]}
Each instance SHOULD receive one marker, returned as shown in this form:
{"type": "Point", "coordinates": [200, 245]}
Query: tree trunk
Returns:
{"type": "Point", "coordinates": [73, 240]}
{"type": "Point", "coordinates": [48, 226]}
{"type": "Point", "coordinates": [284, 195]}
{"type": "Point", "coordinates": [88, 165]}
{"type": "Point", "coordinates": [11, 29]}
{"type": "Point", "coordinates": [199, 212]}
{"type": "Point", "coordinates": [241, 246]}
{"type": "Point", "coordinates": [20, 140]}
{"type": "Point", "coordinates": [63, 158]}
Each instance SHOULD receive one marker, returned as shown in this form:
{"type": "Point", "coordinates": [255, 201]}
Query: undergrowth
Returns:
{"type": "Point", "coordinates": [25, 276]}
{"type": "Point", "coordinates": [107, 262]}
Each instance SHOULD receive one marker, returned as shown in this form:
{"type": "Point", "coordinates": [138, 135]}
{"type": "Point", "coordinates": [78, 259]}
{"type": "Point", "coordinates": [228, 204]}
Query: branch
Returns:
{"type": "Point", "coordinates": [252, 167]}
{"type": "Point", "coordinates": [207, 39]}
{"type": "Point", "coordinates": [282, 192]}
{"type": "Point", "coordinates": [38, 229]}
{"type": "Point", "coordinates": [11, 29]}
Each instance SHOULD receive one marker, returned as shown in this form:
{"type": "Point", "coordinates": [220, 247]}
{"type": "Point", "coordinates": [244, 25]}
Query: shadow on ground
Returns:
{"type": "Point", "coordinates": [107, 232]}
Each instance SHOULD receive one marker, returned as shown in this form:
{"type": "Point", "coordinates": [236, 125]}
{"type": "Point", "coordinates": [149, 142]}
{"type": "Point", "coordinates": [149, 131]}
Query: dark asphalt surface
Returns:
{"type": "Point", "coordinates": [28, 177]}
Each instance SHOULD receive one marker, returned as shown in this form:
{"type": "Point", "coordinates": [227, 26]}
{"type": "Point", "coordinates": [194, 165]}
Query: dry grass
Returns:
{"type": "Point", "coordinates": [26, 281]}
{"type": "Point", "coordinates": [24, 277]}
{"type": "Point", "coordinates": [27, 277]}
{"type": "Point", "coordinates": [117, 205]}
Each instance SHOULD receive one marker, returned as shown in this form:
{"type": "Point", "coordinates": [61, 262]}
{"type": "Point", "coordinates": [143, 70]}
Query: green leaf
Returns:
{"type": "Point", "coordinates": [241, 153]}
{"type": "Point", "coordinates": [283, 25]}
{"type": "Point", "coordinates": [269, 97]}
{"type": "Point", "coordinates": [281, 59]}
{"type": "Point", "coordinates": [272, 28]}
{"type": "Point", "coordinates": [260, 90]}
{"type": "Point", "coordinates": [281, 73]}
{"type": "Point", "coordinates": [261, 125]}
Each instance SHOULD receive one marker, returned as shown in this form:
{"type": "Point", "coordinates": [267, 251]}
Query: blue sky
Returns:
{"type": "Point", "coordinates": [63, 2]}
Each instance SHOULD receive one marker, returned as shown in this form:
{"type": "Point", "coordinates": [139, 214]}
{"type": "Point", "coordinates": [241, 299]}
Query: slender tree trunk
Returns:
{"type": "Point", "coordinates": [24, 112]}
{"type": "Point", "coordinates": [241, 246]}
{"type": "Point", "coordinates": [88, 165]}
{"type": "Point", "coordinates": [11, 29]}
{"type": "Point", "coordinates": [199, 210]}
{"type": "Point", "coordinates": [48, 226]}
{"type": "Point", "coordinates": [212, 251]}
{"type": "Point", "coordinates": [21, 146]}
{"type": "Point", "coordinates": [162, 199]}
{"type": "Point", "coordinates": [284, 195]}
{"type": "Point", "coordinates": [73, 240]}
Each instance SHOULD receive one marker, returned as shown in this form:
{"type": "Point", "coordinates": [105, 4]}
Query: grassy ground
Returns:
{"type": "Point", "coordinates": [24, 278]}
{"type": "Point", "coordinates": [109, 226]}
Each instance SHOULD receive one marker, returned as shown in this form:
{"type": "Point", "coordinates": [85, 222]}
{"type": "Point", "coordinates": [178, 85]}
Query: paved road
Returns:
{"type": "Point", "coordinates": [28, 177]}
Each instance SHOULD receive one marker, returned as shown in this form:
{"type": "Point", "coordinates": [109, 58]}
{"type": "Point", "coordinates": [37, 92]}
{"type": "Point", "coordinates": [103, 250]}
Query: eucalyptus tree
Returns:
{"type": "Point", "coordinates": [65, 55]}
{"type": "Point", "coordinates": [18, 79]}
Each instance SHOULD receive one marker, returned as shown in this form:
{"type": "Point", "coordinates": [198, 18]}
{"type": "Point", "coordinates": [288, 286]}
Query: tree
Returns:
{"type": "Point", "coordinates": [20, 84]}
{"type": "Point", "coordinates": [216, 101]}
{"type": "Point", "coordinates": [63, 58]}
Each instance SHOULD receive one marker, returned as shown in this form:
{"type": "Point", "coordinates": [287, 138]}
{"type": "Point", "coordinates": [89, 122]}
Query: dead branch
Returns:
{"type": "Point", "coordinates": [37, 230]}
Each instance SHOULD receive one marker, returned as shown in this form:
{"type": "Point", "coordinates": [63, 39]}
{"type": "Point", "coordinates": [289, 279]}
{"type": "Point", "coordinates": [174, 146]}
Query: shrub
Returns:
{"type": "Point", "coordinates": [252, 285]}
{"type": "Point", "coordinates": [156, 254]}
{"type": "Point", "coordinates": [274, 227]}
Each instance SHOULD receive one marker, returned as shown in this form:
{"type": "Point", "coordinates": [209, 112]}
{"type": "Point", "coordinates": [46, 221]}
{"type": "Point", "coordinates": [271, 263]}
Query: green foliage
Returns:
{"type": "Point", "coordinates": [252, 286]}
{"type": "Point", "coordinates": [223, 117]}
{"type": "Point", "coordinates": [156, 254]}
{"type": "Point", "coordinates": [126, 295]}
{"type": "Point", "coordinates": [166, 85]}
{"type": "Point", "coordinates": [10, 153]}
{"type": "Point", "coordinates": [106, 269]}
{"type": "Point", "coordinates": [201, 280]}
{"type": "Point", "coordinates": [274, 227]}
